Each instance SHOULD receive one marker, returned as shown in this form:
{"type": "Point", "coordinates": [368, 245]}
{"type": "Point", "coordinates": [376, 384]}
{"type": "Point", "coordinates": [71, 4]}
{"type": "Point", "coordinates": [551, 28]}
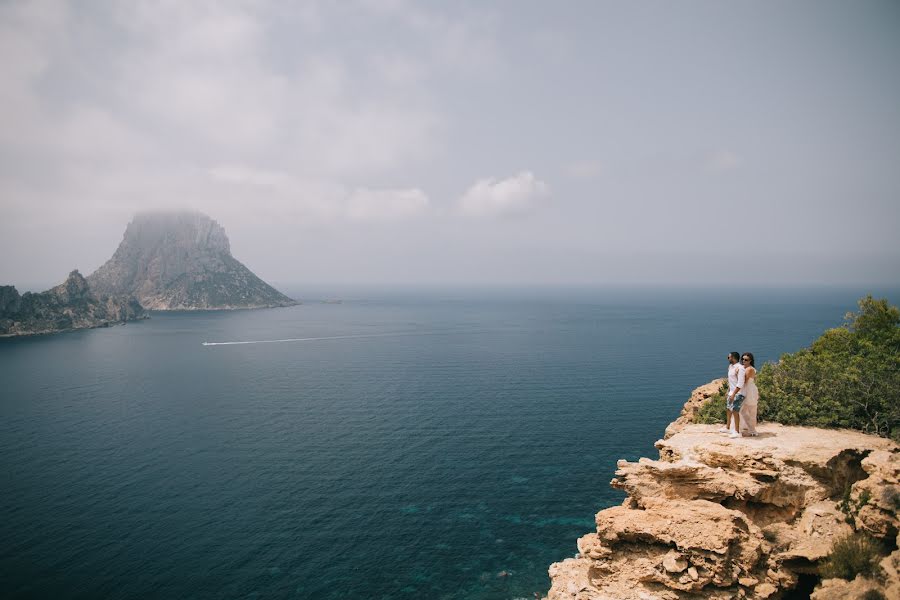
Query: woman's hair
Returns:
{"type": "Point", "coordinates": [750, 356]}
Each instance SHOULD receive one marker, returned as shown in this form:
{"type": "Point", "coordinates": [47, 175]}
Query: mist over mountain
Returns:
{"type": "Point", "coordinates": [181, 261]}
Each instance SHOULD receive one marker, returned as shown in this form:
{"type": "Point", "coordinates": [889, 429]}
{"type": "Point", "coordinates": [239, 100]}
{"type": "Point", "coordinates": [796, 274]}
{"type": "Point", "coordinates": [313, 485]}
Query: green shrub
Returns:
{"type": "Point", "coordinates": [849, 377]}
{"type": "Point", "coordinates": [852, 555]}
{"type": "Point", "coordinates": [891, 497]}
{"type": "Point", "coordinates": [851, 507]}
{"type": "Point", "coordinates": [770, 535]}
{"type": "Point", "coordinates": [873, 595]}
{"type": "Point", "coordinates": [713, 410]}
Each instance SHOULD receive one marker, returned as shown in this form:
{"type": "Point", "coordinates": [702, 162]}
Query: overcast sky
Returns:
{"type": "Point", "coordinates": [483, 142]}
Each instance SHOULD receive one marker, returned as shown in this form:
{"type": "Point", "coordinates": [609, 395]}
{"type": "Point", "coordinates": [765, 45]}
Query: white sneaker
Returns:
{"type": "Point", "coordinates": [734, 434]}
{"type": "Point", "coordinates": [724, 430]}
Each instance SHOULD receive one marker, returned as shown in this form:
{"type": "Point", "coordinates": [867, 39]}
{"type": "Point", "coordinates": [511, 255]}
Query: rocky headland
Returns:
{"type": "Point", "coordinates": [182, 261]}
{"type": "Point", "coordinates": [751, 518]}
{"type": "Point", "coordinates": [70, 305]}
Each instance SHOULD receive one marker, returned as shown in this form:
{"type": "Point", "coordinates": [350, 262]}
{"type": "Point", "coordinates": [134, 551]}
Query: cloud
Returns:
{"type": "Point", "coordinates": [584, 169]}
{"type": "Point", "coordinates": [279, 193]}
{"type": "Point", "coordinates": [723, 160]}
{"type": "Point", "coordinates": [198, 81]}
{"type": "Point", "coordinates": [245, 175]}
{"type": "Point", "coordinates": [496, 198]}
{"type": "Point", "coordinates": [27, 32]}
{"type": "Point", "coordinates": [158, 104]}
{"type": "Point", "coordinates": [464, 45]}
{"type": "Point", "coordinates": [386, 205]}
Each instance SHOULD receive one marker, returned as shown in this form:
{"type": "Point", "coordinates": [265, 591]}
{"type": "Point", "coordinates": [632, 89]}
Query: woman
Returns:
{"type": "Point", "coordinates": [751, 394]}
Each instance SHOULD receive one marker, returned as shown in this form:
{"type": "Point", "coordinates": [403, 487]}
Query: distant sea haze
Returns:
{"type": "Point", "coordinates": [418, 444]}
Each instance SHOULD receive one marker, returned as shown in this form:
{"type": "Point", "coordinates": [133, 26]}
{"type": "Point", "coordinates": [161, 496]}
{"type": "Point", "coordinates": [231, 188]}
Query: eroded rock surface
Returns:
{"type": "Point", "coordinates": [716, 517]}
{"type": "Point", "coordinates": [182, 261]}
{"type": "Point", "coordinates": [70, 305]}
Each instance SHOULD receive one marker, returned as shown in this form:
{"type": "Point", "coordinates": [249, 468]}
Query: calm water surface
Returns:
{"type": "Point", "coordinates": [453, 437]}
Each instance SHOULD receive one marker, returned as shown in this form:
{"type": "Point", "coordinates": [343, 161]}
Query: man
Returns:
{"type": "Point", "coordinates": [735, 398]}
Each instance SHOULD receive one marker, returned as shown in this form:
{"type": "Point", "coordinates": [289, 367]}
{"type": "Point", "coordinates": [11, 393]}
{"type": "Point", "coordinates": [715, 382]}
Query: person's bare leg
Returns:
{"type": "Point", "coordinates": [737, 421]}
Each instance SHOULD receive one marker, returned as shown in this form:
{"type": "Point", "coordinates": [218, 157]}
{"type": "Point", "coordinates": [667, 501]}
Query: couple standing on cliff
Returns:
{"type": "Point", "coordinates": [743, 396]}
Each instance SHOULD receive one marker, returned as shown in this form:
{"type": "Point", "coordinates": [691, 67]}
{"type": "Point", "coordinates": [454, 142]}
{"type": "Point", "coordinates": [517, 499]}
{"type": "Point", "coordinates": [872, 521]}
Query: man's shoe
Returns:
{"type": "Point", "coordinates": [734, 434]}
{"type": "Point", "coordinates": [724, 430]}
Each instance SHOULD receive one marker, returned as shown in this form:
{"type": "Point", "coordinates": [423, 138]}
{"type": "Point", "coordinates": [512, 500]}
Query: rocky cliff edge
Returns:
{"type": "Point", "coordinates": [68, 306]}
{"type": "Point", "coordinates": [720, 518]}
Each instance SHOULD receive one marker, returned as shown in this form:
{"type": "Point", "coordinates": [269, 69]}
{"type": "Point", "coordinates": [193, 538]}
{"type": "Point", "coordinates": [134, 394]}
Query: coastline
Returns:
{"type": "Point", "coordinates": [72, 329]}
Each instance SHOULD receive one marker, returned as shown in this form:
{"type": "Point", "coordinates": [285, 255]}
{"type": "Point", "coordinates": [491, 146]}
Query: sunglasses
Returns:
{"type": "Point", "coordinates": [745, 360]}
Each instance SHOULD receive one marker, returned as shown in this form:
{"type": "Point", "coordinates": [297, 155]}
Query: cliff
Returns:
{"type": "Point", "coordinates": [70, 305]}
{"type": "Point", "coordinates": [720, 518]}
{"type": "Point", "coordinates": [182, 261]}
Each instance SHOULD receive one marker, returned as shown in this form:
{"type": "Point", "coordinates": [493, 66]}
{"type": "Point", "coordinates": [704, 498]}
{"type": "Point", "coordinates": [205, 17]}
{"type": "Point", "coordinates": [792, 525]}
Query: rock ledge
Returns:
{"type": "Point", "coordinates": [721, 518]}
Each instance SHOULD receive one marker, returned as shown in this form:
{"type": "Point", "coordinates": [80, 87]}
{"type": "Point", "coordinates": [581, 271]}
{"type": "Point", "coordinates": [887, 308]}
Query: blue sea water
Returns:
{"type": "Point", "coordinates": [445, 444]}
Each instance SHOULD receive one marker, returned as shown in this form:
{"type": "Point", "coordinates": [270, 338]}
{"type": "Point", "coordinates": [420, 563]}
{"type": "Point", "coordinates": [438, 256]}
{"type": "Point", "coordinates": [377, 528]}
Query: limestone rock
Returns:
{"type": "Point", "coordinates": [674, 562]}
{"type": "Point", "coordinates": [70, 305]}
{"type": "Point", "coordinates": [182, 261]}
{"type": "Point", "coordinates": [715, 517]}
{"type": "Point", "coordinates": [698, 397]}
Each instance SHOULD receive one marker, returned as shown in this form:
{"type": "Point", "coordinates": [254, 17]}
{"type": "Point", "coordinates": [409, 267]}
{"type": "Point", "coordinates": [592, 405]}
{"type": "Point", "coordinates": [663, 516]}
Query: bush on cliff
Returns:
{"type": "Point", "coordinates": [849, 377]}
{"type": "Point", "coordinates": [852, 555]}
{"type": "Point", "coordinates": [713, 410]}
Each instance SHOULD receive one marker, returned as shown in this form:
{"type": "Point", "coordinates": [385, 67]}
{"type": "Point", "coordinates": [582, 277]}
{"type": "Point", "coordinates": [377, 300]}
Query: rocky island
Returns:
{"type": "Point", "coordinates": [754, 518]}
{"type": "Point", "coordinates": [68, 306]}
{"type": "Point", "coordinates": [182, 261]}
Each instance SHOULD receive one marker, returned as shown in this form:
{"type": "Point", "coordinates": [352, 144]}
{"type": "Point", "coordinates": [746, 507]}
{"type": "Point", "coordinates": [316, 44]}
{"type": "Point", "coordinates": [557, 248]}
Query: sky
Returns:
{"type": "Point", "coordinates": [506, 142]}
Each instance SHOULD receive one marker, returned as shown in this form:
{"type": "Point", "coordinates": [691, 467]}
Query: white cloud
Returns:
{"type": "Point", "coordinates": [91, 133]}
{"type": "Point", "coordinates": [511, 196]}
{"type": "Point", "coordinates": [279, 193]}
{"type": "Point", "coordinates": [336, 128]}
{"type": "Point", "coordinates": [165, 112]}
{"type": "Point", "coordinates": [246, 175]}
{"type": "Point", "coordinates": [206, 73]}
{"type": "Point", "coordinates": [465, 45]}
{"type": "Point", "coordinates": [28, 34]}
{"type": "Point", "coordinates": [386, 205]}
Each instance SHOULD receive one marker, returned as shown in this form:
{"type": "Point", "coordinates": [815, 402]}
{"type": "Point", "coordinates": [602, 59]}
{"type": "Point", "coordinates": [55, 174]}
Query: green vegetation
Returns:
{"type": "Point", "coordinates": [852, 555]}
{"type": "Point", "coordinates": [713, 410]}
{"type": "Point", "coordinates": [851, 507]}
{"type": "Point", "coordinates": [891, 497]}
{"type": "Point", "coordinates": [849, 377]}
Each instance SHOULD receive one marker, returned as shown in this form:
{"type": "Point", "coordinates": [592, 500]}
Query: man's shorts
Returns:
{"type": "Point", "coordinates": [735, 405]}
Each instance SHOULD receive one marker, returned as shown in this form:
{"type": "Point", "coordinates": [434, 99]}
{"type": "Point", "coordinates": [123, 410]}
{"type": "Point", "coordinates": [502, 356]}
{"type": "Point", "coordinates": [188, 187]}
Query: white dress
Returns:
{"type": "Point", "coordinates": [748, 408]}
{"type": "Point", "coordinates": [751, 392]}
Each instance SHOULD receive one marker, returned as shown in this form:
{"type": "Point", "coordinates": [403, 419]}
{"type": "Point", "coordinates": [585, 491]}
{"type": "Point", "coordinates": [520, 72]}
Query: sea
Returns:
{"type": "Point", "coordinates": [386, 444]}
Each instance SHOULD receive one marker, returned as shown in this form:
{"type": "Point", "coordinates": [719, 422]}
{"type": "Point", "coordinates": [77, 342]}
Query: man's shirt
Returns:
{"type": "Point", "coordinates": [735, 377]}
